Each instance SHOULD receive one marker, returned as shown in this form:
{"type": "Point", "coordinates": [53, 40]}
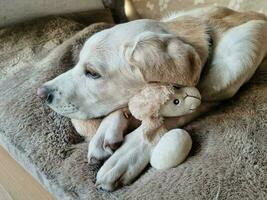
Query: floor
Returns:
{"type": "Point", "coordinates": [16, 183]}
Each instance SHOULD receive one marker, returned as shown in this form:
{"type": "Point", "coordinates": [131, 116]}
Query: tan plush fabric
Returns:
{"type": "Point", "coordinates": [158, 8]}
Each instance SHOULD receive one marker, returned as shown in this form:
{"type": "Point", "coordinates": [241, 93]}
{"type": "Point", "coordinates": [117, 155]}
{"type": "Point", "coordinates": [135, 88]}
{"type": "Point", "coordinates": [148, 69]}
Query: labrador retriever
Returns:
{"type": "Point", "coordinates": [215, 49]}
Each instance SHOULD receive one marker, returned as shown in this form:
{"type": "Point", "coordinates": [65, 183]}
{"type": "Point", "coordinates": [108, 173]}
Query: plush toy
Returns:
{"type": "Point", "coordinates": [154, 103]}
{"type": "Point", "coordinates": [150, 106]}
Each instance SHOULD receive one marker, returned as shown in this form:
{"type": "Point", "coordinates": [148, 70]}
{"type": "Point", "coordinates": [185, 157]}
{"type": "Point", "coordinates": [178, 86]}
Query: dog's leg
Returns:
{"type": "Point", "coordinates": [126, 163]}
{"type": "Point", "coordinates": [108, 137]}
{"type": "Point", "coordinates": [235, 59]}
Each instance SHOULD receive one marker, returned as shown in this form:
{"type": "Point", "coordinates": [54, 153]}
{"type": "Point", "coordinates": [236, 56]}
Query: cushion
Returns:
{"type": "Point", "coordinates": [229, 155]}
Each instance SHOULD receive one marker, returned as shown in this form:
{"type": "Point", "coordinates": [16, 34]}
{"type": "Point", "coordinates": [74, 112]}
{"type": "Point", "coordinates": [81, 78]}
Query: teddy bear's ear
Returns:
{"type": "Point", "coordinates": [164, 58]}
{"type": "Point", "coordinates": [147, 103]}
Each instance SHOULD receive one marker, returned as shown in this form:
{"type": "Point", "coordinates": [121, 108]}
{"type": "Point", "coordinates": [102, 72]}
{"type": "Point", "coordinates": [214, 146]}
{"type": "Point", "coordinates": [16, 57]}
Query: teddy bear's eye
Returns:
{"type": "Point", "coordinates": [176, 101]}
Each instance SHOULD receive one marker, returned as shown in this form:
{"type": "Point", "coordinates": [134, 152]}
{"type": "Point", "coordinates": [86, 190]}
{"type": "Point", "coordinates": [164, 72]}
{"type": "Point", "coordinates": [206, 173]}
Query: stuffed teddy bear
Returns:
{"type": "Point", "coordinates": [150, 106]}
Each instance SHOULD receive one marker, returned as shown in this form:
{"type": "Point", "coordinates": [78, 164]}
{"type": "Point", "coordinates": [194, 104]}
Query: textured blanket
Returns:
{"type": "Point", "coordinates": [229, 155]}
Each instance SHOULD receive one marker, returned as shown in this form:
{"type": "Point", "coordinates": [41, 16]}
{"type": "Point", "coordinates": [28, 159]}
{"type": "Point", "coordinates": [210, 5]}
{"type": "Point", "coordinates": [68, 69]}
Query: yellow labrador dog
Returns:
{"type": "Point", "coordinates": [215, 49]}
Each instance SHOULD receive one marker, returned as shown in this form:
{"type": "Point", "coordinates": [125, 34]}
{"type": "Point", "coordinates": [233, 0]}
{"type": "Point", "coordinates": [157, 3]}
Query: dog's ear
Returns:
{"type": "Point", "coordinates": [164, 58]}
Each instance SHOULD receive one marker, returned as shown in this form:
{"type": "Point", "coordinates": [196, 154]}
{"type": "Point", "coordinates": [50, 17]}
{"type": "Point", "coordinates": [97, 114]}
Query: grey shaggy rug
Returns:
{"type": "Point", "coordinates": [229, 155]}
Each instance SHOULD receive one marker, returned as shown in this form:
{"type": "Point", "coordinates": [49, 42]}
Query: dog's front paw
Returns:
{"type": "Point", "coordinates": [108, 138]}
{"type": "Point", "coordinates": [96, 151]}
{"type": "Point", "coordinates": [125, 164]}
{"type": "Point", "coordinates": [100, 148]}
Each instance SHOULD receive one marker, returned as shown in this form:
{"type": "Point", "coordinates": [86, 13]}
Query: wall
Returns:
{"type": "Point", "coordinates": [159, 8]}
{"type": "Point", "coordinates": [13, 11]}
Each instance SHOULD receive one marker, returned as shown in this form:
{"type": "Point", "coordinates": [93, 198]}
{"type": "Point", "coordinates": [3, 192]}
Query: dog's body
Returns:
{"type": "Point", "coordinates": [215, 49]}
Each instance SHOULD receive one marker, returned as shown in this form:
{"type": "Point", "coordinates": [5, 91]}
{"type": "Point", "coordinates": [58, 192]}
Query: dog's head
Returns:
{"type": "Point", "coordinates": [115, 64]}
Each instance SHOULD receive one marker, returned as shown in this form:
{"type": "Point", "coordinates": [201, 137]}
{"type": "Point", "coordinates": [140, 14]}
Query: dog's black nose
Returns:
{"type": "Point", "coordinates": [45, 93]}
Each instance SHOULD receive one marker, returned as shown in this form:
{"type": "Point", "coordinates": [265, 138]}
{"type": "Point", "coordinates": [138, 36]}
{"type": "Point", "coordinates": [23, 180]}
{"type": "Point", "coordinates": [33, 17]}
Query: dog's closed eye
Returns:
{"type": "Point", "coordinates": [92, 74]}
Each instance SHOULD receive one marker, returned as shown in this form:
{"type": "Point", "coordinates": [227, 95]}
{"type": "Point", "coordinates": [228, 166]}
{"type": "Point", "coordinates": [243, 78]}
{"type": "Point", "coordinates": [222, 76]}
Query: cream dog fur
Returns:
{"type": "Point", "coordinates": [215, 49]}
